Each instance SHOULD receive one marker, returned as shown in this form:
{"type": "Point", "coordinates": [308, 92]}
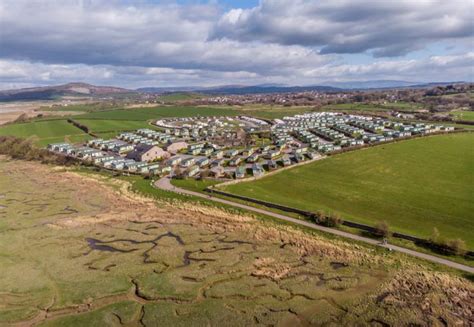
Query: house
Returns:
{"type": "Point", "coordinates": [248, 152]}
{"type": "Point", "coordinates": [272, 164]}
{"type": "Point", "coordinates": [253, 158]}
{"type": "Point", "coordinates": [173, 161]}
{"type": "Point", "coordinates": [272, 154]}
{"type": "Point", "coordinates": [100, 160]}
{"type": "Point", "coordinates": [231, 153]}
{"type": "Point", "coordinates": [286, 160]}
{"type": "Point", "coordinates": [58, 147]}
{"type": "Point", "coordinates": [257, 170]}
{"type": "Point", "coordinates": [201, 162]}
{"type": "Point", "coordinates": [206, 151]}
{"type": "Point", "coordinates": [194, 152]}
{"type": "Point", "coordinates": [122, 148]}
{"type": "Point", "coordinates": [235, 161]}
{"type": "Point", "coordinates": [299, 157]}
{"type": "Point", "coordinates": [175, 147]}
{"type": "Point", "coordinates": [188, 162]}
{"type": "Point", "coordinates": [240, 172]}
{"type": "Point", "coordinates": [193, 171]}
{"type": "Point", "coordinates": [219, 154]}
{"type": "Point", "coordinates": [145, 152]}
{"type": "Point", "coordinates": [217, 171]}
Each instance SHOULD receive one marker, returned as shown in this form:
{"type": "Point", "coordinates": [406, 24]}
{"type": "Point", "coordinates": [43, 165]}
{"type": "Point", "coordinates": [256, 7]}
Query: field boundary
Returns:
{"type": "Point", "coordinates": [335, 153]}
{"type": "Point", "coordinates": [312, 215]}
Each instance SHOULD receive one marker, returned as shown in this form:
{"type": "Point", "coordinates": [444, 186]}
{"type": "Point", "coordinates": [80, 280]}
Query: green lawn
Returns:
{"type": "Point", "coordinates": [45, 131]}
{"type": "Point", "coordinates": [414, 185]}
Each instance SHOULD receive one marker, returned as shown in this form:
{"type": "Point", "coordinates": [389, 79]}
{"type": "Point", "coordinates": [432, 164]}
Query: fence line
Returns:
{"type": "Point", "coordinates": [312, 215]}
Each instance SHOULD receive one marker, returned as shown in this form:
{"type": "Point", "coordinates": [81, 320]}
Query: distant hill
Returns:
{"type": "Point", "coordinates": [280, 88]}
{"type": "Point", "coordinates": [57, 91]}
{"type": "Point", "coordinates": [376, 84]}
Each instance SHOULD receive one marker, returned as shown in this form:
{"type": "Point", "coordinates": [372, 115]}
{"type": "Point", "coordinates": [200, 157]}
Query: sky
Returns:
{"type": "Point", "coordinates": [223, 42]}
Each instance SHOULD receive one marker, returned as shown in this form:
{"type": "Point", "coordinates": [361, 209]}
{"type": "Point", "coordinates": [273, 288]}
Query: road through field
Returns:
{"type": "Point", "coordinates": [165, 184]}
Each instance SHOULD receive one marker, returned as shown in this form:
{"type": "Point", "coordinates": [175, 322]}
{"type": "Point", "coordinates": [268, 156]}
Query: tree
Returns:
{"type": "Point", "coordinates": [382, 229]}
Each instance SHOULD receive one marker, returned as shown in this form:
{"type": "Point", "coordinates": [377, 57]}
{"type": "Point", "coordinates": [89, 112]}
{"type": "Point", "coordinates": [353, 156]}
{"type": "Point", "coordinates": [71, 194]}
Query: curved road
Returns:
{"type": "Point", "coordinates": [165, 184]}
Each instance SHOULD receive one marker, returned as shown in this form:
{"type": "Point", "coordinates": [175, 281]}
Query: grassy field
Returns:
{"type": "Point", "coordinates": [45, 131]}
{"type": "Point", "coordinates": [400, 106]}
{"type": "Point", "coordinates": [102, 126]}
{"type": "Point", "coordinates": [414, 185]}
{"type": "Point", "coordinates": [143, 114]}
{"type": "Point", "coordinates": [180, 96]}
{"type": "Point", "coordinates": [463, 115]}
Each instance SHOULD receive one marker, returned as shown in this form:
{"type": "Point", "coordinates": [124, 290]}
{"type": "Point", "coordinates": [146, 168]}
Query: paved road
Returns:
{"type": "Point", "coordinates": [165, 184]}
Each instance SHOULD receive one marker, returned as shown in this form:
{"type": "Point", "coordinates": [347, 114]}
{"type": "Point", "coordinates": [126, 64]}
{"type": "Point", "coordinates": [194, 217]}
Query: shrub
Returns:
{"type": "Point", "coordinates": [18, 148]}
{"type": "Point", "coordinates": [457, 246]}
{"type": "Point", "coordinates": [435, 236]}
{"type": "Point", "coordinates": [328, 220]}
{"type": "Point", "coordinates": [382, 229]}
{"type": "Point", "coordinates": [333, 220]}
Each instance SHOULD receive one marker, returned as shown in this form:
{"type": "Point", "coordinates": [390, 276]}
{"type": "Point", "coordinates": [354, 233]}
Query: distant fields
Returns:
{"type": "Point", "coordinates": [414, 185]}
{"type": "Point", "coordinates": [400, 106]}
{"type": "Point", "coordinates": [144, 114]}
{"type": "Point", "coordinates": [102, 125]}
{"type": "Point", "coordinates": [463, 115]}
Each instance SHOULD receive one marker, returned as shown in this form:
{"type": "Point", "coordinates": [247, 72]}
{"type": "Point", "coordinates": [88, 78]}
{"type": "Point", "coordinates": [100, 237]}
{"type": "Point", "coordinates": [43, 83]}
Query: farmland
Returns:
{"type": "Point", "coordinates": [92, 253]}
{"type": "Point", "coordinates": [45, 131]}
{"type": "Point", "coordinates": [463, 115]}
{"type": "Point", "coordinates": [399, 106]}
{"type": "Point", "coordinates": [143, 114]}
{"type": "Point", "coordinates": [414, 185]}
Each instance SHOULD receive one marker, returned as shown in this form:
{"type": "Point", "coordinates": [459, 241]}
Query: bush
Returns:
{"type": "Point", "coordinates": [18, 148]}
{"type": "Point", "coordinates": [333, 220]}
{"type": "Point", "coordinates": [435, 236]}
{"type": "Point", "coordinates": [457, 246]}
{"type": "Point", "coordinates": [382, 229]}
{"type": "Point", "coordinates": [330, 220]}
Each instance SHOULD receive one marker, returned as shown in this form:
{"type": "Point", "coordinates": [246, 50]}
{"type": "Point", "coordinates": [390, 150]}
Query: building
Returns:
{"type": "Point", "coordinates": [217, 171]}
{"type": "Point", "coordinates": [175, 147]}
{"type": "Point", "coordinates": [145, 152]}
{"type": "Point", "coordinates": [257, 170]}
{"type": "Point", "coordinates": [240, 172]}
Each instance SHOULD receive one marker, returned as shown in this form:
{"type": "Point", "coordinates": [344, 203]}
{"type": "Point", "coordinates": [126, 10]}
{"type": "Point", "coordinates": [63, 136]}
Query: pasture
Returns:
{"type": "Point", "coordinates": [414, 185]}
{"type": "Point", "coordinates": [45, 131]}
{"type": "Point", "coordinates": [463, 115]}
{"type": "Point", "coordinates": [143, 114]}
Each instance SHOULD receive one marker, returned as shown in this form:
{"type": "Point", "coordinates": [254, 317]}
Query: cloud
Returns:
{"type": "Point", "coordinates": [14, 74]}
{"type": "Point", "coordinates": [385, 28]}
{"type": "Point", "coordinates": [134, 44]}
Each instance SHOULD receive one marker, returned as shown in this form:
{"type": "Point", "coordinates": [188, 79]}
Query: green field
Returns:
{"type": "Point", "coordinates": [180, 96]}
{"type": "Point", "coordinates": [414, 185]}
{"type": "Point", "coordinates": [463, 115]}
{"type": "Point", "coordinates": [102, 126]}
{"type": "Point", "coordinates": [143, 114]}
{"type": "Point", "coordinates": [45, 131]}
{"type": "Point", "coordinates": [358, 106]}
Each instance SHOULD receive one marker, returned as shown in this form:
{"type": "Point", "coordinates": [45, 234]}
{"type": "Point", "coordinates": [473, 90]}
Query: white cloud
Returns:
{"type": "Point", "coordinates": [122, 43]}
{"type": "Point", "coordinates": [387, 28]}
